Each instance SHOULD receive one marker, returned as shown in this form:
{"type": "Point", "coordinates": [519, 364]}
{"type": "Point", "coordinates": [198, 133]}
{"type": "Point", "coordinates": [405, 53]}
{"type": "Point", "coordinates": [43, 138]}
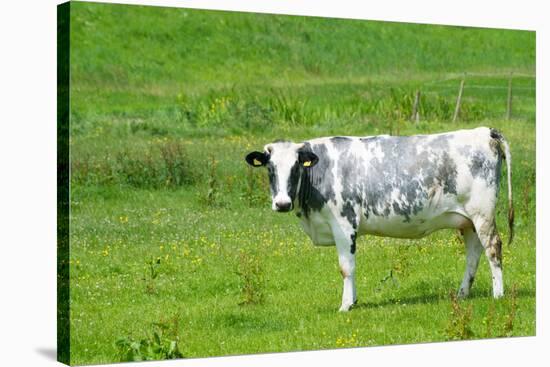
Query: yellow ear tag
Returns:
{"type": "Point", "coordinates": [256, 162]}
{"type": "Point", "coordinates": [307, 163]}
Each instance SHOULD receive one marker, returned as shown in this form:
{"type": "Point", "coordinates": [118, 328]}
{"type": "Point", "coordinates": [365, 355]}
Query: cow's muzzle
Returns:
{"type": "Point", "coordinates": [283, 206]}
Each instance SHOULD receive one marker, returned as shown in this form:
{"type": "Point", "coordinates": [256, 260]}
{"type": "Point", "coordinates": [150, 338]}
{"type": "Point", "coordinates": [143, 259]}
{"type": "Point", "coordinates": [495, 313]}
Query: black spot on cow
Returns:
{"type": "Point", "coordinates": [409, 166]}
{"type": "Point", "coordinates": [495, 134]}
{"type": "Point", "coordinates": [412, 203]}
{"type": "Point", "coordinates": [352, 173]}
{"type": "Point", "coordinates": [401, 211]}
{"type": "Point", "coordinates": [272, 175]}
{"type": "Point", "coordinates": [317, 183]}
{"type": "Point", "coordinates": [349, 213]}
{"type": "Point", "coordinates": [470, 281]}
{"type": "Point", "coordinates": [446, 173]}
{"type": "Point", "coordinates": [353, 243]}
{"type": "Point", "coordinates": [477, 164]}
{"type": "Point", "coordinates": [377, 191]}
{"type": "Point", "coordinates": [396, 170]}
{"type": "Point", "coordinates": [292, 184]}
{"type": "Point", "coordinates": [483, 167]}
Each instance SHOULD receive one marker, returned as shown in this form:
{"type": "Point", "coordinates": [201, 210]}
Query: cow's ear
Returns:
{"type": "Point", "coordinates": [307, 158]}
{"type": "Point", "coordinates": [257, 159]}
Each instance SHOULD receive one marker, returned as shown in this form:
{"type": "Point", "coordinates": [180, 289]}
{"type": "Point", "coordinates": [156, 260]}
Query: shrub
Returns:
{"type": "Point", "coordinates": [489, 320]}
{"type": "Point", "coordinates": [151, 274]}
{"type": "Point", "coordinates": [138, 170]}
{"type": "Point", "coordinates": [251, 276]}
{"type": "Point", "coordinates": [176, 167]}
{"type": "Point", "coordinates": [211, 194]}
{"type": "Point", "coordinates": [162, 343]}
{"type": "Point", "coordinates": [86, 171]}
{"type": "Point", "coordinates": [459, 327]}
{"type": "Point", "coordinates": [510, 318]}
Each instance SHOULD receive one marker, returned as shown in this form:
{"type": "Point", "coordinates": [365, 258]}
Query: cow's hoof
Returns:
{"type": "Point", "coordinates": [347, 307]}
{"type": "Point", "coordinates": [462, 294]}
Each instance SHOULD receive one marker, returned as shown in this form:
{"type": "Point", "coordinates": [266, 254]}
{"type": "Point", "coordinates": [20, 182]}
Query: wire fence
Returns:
{"type": "Point", "coordinates": [478, 95]}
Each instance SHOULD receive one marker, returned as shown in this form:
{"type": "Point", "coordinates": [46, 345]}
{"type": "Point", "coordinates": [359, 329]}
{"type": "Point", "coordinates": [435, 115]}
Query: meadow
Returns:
{"type": "Point", "coordinates": [175, 251]}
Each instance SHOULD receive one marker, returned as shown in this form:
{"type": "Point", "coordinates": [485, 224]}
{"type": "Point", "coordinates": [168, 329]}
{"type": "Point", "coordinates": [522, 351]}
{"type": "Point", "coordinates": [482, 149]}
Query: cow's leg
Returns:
{"type": "Point", "coordinates": [488, 235]}
{"type": "Point", "coordinates": [345, 236]}
{"type": "Point", "coordinates": [346, 261]}
{"type": "Point", "coordinates": [473, 253]}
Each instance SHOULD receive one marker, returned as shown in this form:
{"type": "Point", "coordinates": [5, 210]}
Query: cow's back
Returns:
{"type": "Point", "coordinates": [401, 183]}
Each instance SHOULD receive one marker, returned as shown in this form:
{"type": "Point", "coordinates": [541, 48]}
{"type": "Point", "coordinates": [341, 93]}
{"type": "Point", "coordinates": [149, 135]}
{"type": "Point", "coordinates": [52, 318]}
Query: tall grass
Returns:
{"type": "Point", "coordinates": [160, 164]}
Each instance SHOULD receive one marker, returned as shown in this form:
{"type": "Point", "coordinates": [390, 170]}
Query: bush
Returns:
{"type": "Point", "coordinates": [251, 276]}
{"type": "Point", "coordinates": [163, 343]}
{"type": "Point", "coordinates": [459, 327]}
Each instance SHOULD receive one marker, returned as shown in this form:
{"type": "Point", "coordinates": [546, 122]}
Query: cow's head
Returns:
{"type": "Point", "coordinates": [285, 162]}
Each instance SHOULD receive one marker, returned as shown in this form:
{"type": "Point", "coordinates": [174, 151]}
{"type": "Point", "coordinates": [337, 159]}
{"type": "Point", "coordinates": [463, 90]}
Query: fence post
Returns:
{"type": "Point", "coordinates": [509, 104]}
{"type": "Point", "coordinates": [415, 113]}
{"type": "Point", "coordinates": [459, 99]}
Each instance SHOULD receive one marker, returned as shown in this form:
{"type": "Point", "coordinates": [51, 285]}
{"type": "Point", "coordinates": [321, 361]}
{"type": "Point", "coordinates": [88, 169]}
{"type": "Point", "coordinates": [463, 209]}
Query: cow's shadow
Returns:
{"type": "Point", "coordinates": [431, 298]}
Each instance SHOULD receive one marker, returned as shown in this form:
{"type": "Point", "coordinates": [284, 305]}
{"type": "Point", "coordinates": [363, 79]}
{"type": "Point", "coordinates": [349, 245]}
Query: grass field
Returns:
{"type": "Point", "coordinates": [172, 235]}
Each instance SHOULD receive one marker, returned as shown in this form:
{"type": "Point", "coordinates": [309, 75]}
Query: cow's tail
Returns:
{"type": "Point", "coordinates": [505, 149]}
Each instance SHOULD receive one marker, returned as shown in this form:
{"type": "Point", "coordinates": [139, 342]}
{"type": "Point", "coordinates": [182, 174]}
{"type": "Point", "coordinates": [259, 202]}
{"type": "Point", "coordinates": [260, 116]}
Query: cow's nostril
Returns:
{"type": "Point", "coordinates": [283, 206]}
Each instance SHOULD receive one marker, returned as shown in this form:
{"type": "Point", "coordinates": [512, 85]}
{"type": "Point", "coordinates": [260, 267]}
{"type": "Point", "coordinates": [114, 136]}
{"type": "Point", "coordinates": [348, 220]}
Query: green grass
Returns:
{"type": "Point", "coordinates": [165, 103]}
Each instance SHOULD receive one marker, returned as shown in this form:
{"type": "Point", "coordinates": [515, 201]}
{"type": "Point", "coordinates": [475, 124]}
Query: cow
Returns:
{"type": "Point", "coordinates": [342, 187]}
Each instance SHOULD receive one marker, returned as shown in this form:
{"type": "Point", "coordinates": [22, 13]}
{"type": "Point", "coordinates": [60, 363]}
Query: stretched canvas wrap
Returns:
{"type": "Point", "coordinates": [237, 183]}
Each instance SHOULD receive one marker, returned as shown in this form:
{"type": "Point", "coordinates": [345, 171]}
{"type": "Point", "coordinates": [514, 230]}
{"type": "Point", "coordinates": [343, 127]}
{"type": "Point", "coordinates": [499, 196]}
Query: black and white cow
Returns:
{"type": "Point", "coordinates": [393, 186]}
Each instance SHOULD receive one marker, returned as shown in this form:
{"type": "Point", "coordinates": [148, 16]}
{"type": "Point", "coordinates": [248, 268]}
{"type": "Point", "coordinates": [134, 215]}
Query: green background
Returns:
{"type": "Point", "coordinates": [172, 234]}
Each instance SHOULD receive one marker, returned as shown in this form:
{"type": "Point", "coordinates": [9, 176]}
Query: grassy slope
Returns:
{"type": "Point", "coordinates": [130, 64]}
{"type": "Point", "coordinates": [165, 45]}
{"type": "Point", "coordinates": [139, 56]}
